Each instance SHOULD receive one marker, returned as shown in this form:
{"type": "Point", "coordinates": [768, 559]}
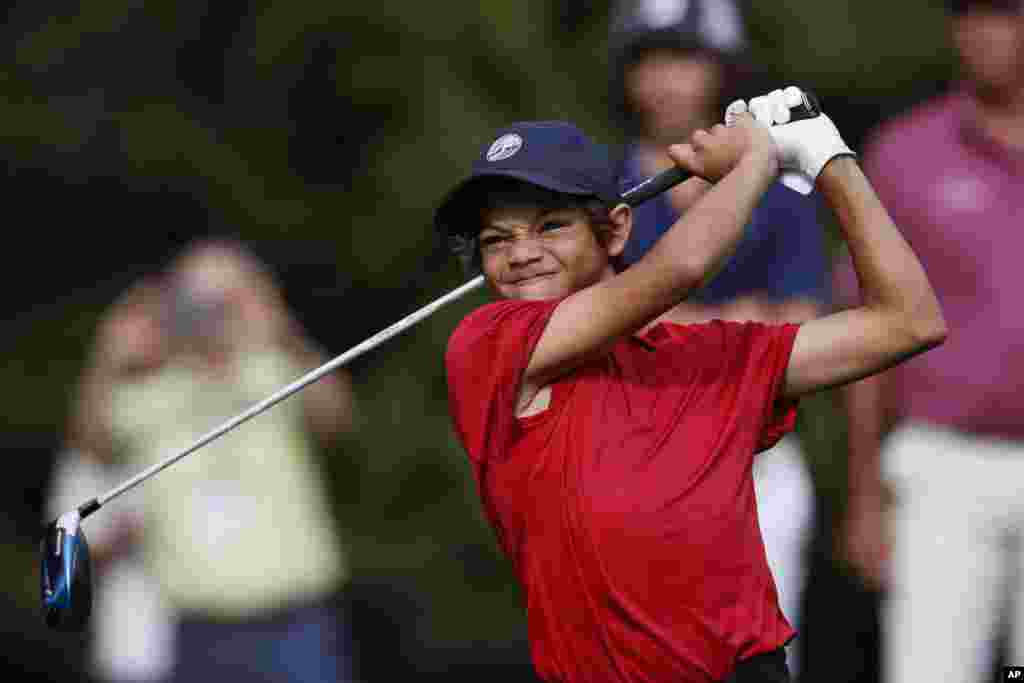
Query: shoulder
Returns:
{"type": "Point", "coordinates": [496, 332]}
{"type": "Point", "coordinates": [484, 362]}
{"type": "Point", "coordinates": [752, 353]}
{"type": "Point", "coordinates": [922, 124]}
{"type": "Point", "coordinates": [495, 318]}
{"type": "Point", "coordinates": [730, 334]}
{"type": "Point", "coordinates": [720, 333]}
{"type": "Point", "coordinates": [746, 356]}
{"type": "Point", "coordinates": [727, 336]}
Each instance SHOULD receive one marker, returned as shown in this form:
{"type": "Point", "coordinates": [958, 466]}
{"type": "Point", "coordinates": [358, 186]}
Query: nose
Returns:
{"type": "Point", "coordinates": [523, 251]}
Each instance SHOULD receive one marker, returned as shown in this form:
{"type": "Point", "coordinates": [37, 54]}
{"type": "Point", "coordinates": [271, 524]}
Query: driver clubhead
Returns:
{"type": "Point", "coordinates": [66, 574]}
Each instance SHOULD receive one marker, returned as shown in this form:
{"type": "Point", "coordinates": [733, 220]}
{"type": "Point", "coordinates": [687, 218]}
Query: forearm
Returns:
{"type": "Point", "coordinates": [864, 406]}
{"type": "Point", "coordinates": [891, 278]}
{"type": "Point", "coordinates": [703, 239]}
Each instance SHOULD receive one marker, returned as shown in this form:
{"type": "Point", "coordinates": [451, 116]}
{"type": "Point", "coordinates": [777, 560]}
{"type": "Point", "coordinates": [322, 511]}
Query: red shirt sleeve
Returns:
{"type": "Point", "coordinates": [752, 358]}
{"type": "Point", "coordinates": [748, 361]}
{"type": "Point", "coordinates": [486, 357]}
{"type": "Point", "coordinates": [766, 358]}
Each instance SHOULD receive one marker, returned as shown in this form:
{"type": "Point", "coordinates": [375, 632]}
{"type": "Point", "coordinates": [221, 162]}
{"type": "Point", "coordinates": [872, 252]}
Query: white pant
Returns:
{"type": "Point", "coordinates": [785, 511]}
{"type": "Point", "coordinates": [132, 634]}
{"type": "Point", "coordinates": [956, 564]}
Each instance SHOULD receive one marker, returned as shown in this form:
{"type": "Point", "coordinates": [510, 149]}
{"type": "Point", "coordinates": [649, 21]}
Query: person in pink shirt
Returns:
{"type": "Point", "coordinates": [936, 446]}
{"type": "Point", "coordinates": [613, 450]}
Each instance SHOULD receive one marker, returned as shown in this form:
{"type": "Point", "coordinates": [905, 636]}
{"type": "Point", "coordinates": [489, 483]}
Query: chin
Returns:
{"type": "Point", "coordinates": [545, 288]}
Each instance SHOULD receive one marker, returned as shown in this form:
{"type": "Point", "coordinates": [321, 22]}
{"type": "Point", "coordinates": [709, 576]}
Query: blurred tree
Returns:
{"type": "Point", "coordinates": [324, 133]}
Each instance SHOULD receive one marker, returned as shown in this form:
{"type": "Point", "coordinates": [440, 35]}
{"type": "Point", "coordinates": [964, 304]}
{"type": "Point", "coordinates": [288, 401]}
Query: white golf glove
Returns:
{"type": "Point", "coordinates": [805, 146]}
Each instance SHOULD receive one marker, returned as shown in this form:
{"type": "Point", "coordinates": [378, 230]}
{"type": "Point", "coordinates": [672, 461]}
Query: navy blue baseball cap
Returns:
{"type": "Point", "coordinates": [554, 155]}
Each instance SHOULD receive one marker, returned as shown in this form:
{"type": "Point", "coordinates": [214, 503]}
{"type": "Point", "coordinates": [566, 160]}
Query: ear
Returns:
{"type": "Point", "coordinates": [621, 218]}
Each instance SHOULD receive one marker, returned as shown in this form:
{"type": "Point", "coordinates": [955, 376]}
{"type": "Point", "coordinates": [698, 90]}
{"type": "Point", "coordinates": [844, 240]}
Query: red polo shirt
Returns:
{"type": "Point", "coordinates": [627, 507]}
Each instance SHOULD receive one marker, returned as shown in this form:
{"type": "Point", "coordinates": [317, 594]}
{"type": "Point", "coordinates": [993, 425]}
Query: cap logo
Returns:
{"type": "Point", "coordinates": [504, 147]}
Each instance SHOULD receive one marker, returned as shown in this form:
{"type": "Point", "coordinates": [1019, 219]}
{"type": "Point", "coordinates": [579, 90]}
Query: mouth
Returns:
{"type": "Point", "coordinates": [531, 279]}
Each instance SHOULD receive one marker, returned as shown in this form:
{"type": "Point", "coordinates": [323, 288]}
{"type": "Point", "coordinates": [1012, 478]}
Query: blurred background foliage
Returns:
{"type": "Point", "coordinates": [323, 133]}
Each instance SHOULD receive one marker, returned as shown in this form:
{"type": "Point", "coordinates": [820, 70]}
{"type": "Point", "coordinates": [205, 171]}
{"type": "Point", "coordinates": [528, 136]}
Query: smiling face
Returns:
{"type": "Point", "coordinates": [541, 253]}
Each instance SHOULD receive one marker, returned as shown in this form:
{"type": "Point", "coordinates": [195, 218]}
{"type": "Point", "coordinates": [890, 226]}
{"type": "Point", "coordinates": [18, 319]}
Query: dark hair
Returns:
{"type": "Point", "coordinates": [961, 7]}
{"type": "Point", "coordinates": [502, 192]}
{"type": "Point", "coordinates": [633, 39]}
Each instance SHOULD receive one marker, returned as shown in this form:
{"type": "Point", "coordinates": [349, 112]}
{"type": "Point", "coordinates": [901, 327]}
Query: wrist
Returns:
{"type": "Point", "coordinates": [839, 164]}
{"type": "Point", "coordinates": [866, 487]}
{"type": "Point", "coordinates": [762, 162]}
{"type": "Point", "coordinates": [866, 500]}
{"type": "Point", "coordinates": [838, 172]}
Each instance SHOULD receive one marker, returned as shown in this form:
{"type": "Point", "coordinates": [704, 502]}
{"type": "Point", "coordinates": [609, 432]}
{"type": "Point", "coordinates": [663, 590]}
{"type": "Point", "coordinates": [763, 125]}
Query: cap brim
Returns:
{"type": "Point", "coordinates": [462, 197]}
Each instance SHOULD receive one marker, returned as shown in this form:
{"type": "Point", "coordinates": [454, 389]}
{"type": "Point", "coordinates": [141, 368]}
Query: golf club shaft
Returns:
{"type": "Point", "coordinates": [275, 398]}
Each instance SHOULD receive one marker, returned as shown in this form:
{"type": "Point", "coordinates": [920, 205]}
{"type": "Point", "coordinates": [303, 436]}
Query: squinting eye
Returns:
{"type": "Point", "coordinates": [490, 240]}
{"type": "Point", "coordinates": [553, 225]}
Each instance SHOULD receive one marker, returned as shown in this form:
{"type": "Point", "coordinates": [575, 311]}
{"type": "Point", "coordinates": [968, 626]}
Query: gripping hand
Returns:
{"type": "Point", "coordinates": [804, 145]}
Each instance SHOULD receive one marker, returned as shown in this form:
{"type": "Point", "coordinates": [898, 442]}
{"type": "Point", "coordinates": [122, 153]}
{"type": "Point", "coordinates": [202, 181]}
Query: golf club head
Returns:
{"type": "Point", "coordinates": [66, 574]}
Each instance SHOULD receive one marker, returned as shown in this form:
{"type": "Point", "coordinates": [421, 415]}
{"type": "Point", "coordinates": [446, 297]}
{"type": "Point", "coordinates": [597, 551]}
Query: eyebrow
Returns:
{"type": "Point", "coordinates": [502, 229]}
{"type": "Point", "coordinates": [541, 213]}
{"type": "Point", "coordinates": [494, 228]}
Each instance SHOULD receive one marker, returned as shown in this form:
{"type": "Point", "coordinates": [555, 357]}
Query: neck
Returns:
{"type": "Point", "coordinates": [1001, 115]}
{"type": "Point", "coordinates": [653, 157]}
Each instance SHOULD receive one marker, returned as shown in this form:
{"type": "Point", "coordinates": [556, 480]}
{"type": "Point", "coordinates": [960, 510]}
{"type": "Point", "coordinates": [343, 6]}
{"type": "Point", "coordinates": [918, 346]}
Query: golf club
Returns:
{"type": "Point", "coordinates": [66, 589]}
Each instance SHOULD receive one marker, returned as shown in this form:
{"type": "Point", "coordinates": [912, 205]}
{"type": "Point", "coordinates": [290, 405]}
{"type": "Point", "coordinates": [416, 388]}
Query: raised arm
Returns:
{"type": "Point", "coordinates": [900, 315]}
{"type": "Point", "coordinates": [743, 160]}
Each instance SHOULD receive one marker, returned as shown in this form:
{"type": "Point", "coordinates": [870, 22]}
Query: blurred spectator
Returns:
{"type": "Point", "coordinates": [132, 628]}
{"type": "Point", "coordinates": [240, 537]}
{"type": "Point", "coordinates": [675, 64]}
{"type": "Point", "coordinates": [941, 438]}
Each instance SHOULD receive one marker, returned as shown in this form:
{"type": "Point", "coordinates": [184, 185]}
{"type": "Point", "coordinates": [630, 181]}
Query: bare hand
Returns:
{"type": "Point", "coordinates": [712, 154]}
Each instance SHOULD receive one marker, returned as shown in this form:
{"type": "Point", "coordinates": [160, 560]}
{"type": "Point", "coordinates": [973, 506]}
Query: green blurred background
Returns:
{"type": "Point", "coordinates": [323, 133]}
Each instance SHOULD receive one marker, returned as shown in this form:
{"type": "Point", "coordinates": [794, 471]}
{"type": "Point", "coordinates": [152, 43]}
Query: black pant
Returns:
{"type": "Point", "coordinates": [769, 667]}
